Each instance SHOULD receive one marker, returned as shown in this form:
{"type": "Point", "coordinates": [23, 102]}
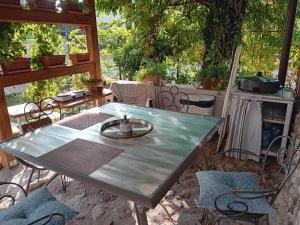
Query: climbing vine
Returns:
{"type": "Point", "coordinates": [222, 33]}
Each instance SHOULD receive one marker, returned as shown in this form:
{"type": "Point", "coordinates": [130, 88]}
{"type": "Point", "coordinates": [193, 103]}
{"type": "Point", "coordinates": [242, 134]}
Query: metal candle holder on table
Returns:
{"type": "Point", "coordinates": [140, 128]}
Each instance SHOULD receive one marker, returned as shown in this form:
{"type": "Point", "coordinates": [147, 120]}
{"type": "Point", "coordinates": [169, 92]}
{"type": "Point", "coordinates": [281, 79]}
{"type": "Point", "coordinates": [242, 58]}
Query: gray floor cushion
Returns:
{"type": "Point", "coordinates": [37, 204]}
{"type": "Point", "coordinates": [214, 183]}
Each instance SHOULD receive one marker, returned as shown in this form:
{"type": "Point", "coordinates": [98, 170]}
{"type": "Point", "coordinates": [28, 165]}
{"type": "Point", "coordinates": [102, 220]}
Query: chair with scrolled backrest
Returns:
{"type": "Point", "coordinates": [39, 113]}
{"type": "Point", "coordinates": [239, 195]}
{"type": "Point", "coordinates": [38, 207]}
{"type": "Point", "coordinates": [172, 100]}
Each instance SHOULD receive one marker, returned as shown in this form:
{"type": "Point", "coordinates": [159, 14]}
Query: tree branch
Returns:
{"type": "Point", "coordinates": [201, 2]}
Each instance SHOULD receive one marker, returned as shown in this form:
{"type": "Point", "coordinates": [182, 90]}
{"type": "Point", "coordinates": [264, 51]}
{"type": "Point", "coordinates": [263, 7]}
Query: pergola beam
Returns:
{"type": "Point", "coordinates": [42, 17]}
{"type": "Point", "coordinates": [31, 76]}
{"type": "Point", "coordinates": [92, 41]}
{"type": "Point", "coordinates": [287, 42]}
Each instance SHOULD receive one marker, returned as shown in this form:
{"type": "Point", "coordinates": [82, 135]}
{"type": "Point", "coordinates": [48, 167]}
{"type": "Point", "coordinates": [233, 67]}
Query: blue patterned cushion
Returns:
{"type": "Point", "coordinates": [214, 183]}
{"type": "Point", "coordinates": [37, 204]}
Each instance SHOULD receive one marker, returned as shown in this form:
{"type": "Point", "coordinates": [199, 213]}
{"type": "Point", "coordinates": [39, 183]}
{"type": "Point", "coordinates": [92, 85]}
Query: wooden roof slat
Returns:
{"type": "Point", "coordinates": [8, 14]}
{"type": "Point", "coordinates": [31, 76]}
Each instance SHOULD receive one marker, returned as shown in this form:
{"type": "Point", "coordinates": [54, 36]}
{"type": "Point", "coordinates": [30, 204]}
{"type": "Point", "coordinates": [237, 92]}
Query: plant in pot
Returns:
{"type": "Point", "coordinates": [214, 77]}
{"type": "Point", "coordinates": [12, 48]}
{"type": "Point", "coordinates": [77, 45]}
{"type": "Point", "coordinates": [151, 72]}
{"type": "Point", "coordinates": [11, 3]}
{"type": "Point", "coordinates": [94, 85]}
{"type": "Point", "coordinates": [46, 47]}
{"type": "Point", "coordinates": [74, 6]}
{"type": "Point", "coordinates": [47, 5]}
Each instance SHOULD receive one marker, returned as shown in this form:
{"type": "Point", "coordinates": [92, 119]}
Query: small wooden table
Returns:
{"type": "Point", "coordinates": [17, 111]}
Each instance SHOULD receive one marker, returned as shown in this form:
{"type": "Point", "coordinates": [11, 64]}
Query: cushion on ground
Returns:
{"type": "Point", "coordinates": [37, 204]}
{"type": "Point", "coordinates": [214, 183]}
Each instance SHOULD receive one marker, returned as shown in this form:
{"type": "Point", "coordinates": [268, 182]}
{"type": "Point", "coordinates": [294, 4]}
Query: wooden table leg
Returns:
{"type": "Point", "coordinates": [141, 215]}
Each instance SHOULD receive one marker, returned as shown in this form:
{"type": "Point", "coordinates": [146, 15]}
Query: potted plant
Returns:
{"type": "Point", "coordinates": [48, 5]}
{"type": "Point", "coordinates": [49, 59]}
{"type": "Point", "coordinates": [46, 49]}
{"type": "Point", "coordinates": [151, 72]}
{"type": "Point", "coordinates": [74, 6]}
{"type": "Point", "coordinates": [79, 58]}
{"type": "Point", "coordinates": [214, 77]}
{"type": "Point", "coordinates": [12, 49]}
{"type": "Point", "coordinates": [10, 3]}
{"type": "Point", "coordinates": [77, 45]}
{"type": "Point", "coordinates": [94, 85]}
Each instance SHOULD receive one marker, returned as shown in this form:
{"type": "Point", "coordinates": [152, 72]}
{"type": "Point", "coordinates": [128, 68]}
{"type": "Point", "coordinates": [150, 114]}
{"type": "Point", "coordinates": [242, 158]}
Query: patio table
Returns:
{"type": "Point", "coordinates": [140, 169]}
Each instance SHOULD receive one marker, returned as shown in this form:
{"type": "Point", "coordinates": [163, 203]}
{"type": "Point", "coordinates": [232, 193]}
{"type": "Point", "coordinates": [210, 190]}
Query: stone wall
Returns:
{"type": "Point", "coordinates": [288, 201]}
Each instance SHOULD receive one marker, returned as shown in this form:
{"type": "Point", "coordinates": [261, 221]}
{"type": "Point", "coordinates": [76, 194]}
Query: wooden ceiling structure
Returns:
{"type": "Point", "coordinates": [10, 14]}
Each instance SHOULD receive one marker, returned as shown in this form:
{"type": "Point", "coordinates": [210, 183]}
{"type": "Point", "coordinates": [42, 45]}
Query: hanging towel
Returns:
{"type": "Point", "coordinates": [245, 124]}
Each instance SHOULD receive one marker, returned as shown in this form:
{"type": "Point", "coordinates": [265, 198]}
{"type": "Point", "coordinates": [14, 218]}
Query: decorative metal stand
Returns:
{"type": "Point", "coordinates": [139, 128]}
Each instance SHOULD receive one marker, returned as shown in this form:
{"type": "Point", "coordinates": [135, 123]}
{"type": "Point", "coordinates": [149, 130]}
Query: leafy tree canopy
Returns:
{"type": "Point", "coordinates": [213, 29]}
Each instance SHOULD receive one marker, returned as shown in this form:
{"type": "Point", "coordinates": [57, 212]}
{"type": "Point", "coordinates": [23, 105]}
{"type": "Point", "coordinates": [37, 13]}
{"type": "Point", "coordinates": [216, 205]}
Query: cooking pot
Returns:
{"type": "Point", "coordinates": [259, 84]}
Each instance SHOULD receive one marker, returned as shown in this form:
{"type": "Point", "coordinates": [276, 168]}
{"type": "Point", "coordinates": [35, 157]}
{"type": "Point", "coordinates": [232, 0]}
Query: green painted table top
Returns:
{"type": "Point", "coordinates": [147, 168]}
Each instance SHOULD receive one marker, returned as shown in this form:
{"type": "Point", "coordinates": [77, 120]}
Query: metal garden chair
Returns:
{"type": "Point", "coordinates": [37, 208]}
{"type": "Point", "coordinates": [39, 113]}
{"type": "Point", "coordinates": [245, 196]}
{"type": "Point", "coordinates": [172, 100]}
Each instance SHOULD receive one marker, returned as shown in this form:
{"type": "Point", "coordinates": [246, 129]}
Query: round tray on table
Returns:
{"type": "Point", "coordinates": [140, 128]}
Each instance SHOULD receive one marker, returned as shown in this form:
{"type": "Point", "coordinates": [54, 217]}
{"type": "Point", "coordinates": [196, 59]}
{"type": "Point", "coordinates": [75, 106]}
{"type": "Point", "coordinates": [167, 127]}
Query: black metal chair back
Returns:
{"type": "Point", "coordinates": [172, 100]}
{"type": "Point", "coordinates": [40, 112]}
{"type": "Point", "coordinates": [286, 162]}
{"type": "Point", "coordinates": [287, 159]}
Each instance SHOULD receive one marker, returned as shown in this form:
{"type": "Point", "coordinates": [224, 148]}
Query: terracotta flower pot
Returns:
{"type": "Point", "coordinates": [10, 3]}
{"type": "Point", "coordinates": [213, 84]}
{"type": "Point", "coordinates": [70, 7]}
{"type": "Point", "coordinates": [19, 64]}
{"type": "Point", "coordinates": [53, 60]}
{"type": "Point", "coordinates": [79, 58]}
{"type": "Point", "coordinates": [94, 87]}
{"type": "Point", "coordinates": [42, 4]}
{"type": "Point", "coordinates": [155, 79]}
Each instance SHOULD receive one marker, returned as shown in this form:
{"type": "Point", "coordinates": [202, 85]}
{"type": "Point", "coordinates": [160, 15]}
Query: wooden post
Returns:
{"type": "Point", "coordinates": [287, 42]}
{"type": "Point", "coordinates": [5, 129]}
{"type": "Point", "coordinates": [298, 83]}
{"type": "Point", "coordinates": [92, 41]}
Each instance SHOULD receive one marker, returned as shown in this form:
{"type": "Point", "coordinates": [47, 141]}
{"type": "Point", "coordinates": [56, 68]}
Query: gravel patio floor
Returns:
{"type": "Point", "coordinates": [97, 207]}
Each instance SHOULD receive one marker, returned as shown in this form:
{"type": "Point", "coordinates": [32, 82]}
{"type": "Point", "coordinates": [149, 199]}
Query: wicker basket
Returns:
{"type": "Point", "coordinates": [203, 111]}
{"type": "Point", "coordinates": [202, 104]}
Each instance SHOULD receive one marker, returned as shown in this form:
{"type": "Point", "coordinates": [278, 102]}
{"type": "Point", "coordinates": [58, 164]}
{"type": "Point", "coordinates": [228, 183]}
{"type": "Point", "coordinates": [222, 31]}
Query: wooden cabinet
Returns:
{"type": "Point", "coordinates": [283, 100]}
